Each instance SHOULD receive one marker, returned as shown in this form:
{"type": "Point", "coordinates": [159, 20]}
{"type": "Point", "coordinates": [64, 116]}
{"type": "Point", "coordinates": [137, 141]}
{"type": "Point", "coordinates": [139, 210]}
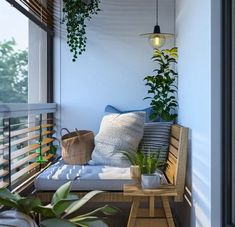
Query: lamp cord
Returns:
{"type": "Point", "coordinates": [156, 12]}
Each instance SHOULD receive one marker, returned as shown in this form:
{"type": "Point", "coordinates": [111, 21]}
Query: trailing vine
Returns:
{"type": "Point", "coordinates": [75, 13]}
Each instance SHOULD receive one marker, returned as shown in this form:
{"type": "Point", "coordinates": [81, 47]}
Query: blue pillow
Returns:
{"type": "Point", "coordinates": [112, 109]}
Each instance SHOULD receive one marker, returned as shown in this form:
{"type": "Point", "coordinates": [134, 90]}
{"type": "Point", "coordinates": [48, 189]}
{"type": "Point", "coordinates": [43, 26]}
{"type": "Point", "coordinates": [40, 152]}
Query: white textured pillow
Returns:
{"type": "Point", "coordinates": [118, 132]}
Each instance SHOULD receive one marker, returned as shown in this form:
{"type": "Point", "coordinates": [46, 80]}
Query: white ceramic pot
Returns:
{"type": "Point", "coordinates": [149, 181]}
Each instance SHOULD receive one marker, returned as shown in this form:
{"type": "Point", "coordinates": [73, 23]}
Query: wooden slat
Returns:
{"type": "Point", "coordinates": [23, 171]}
{"type": "Point", "coordinates": [24, 150]}
{"type": "Point", "coordinates": [30, 148]}
{"type": "Point", "coordinates": [45, 149]}
{"type": "Point", "coordinates": [170, 172]}
{"type": "Point", "coordinates": [48, 157]}
{"type": "Point", "coordinates": [134, 190]}
{"type": "Point", "coordinates": [175, 131]}
{"type": "Point", "coordinates": [174, 142]}
{"type": "Point", "coordinates": [172, 158]}
{"type": "Point", "coordinates": [181, 164]}
{"type": "Point", "coordinates": [3, 172]}
{"type": "Point", "coordinates": [3, 161]}
{"type": "Point", "coordinates": [31, 129]}
{"type": "Point", "coordinates": [28, 138]}
{"type": "Point", "coordinates": [173, 150]}
{"type": "Point", "coordinates": [3, 184]}
{"type": "Point", "coordinates": [23, 161]}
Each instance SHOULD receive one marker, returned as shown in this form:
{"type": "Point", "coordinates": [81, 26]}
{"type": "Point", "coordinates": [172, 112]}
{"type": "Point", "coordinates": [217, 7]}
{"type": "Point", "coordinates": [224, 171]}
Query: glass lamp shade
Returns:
{"type": "Point", "coordinates": [157, 41]}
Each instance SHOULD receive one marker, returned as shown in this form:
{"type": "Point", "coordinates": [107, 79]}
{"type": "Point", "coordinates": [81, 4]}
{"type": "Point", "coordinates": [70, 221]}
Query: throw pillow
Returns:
{"type": "Point", "coordinates": [118, 132]}
{"type": "Point", "coordinates": [112, 109]}
{"type": "Point", "coordinates": [156, 138]}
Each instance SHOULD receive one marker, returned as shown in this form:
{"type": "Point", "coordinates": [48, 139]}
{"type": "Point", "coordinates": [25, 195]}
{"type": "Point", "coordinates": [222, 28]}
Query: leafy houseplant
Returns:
{"type": "Point", "coordinates": [62, 209]}
{"type": "Point", "coordinates": [162, 85]}
{"type": "Point", "coordinates": [148, 163]}
{"type": "Point", "coordinates": [75, 13]}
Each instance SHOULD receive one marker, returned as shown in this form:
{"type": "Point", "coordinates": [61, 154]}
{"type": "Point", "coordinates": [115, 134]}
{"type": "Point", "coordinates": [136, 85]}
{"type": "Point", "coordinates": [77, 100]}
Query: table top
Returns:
{"type": "Point", "coordinates": [137, 190]}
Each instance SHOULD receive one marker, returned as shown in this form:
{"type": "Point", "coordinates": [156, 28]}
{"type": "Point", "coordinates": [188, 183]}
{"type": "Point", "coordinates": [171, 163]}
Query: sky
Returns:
{"type": "Point", "coordinates": [13, 24]}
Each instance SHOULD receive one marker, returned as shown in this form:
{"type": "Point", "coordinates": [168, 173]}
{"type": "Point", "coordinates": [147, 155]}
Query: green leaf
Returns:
{"type": "Point", "coordinates": [62, 205]}
{"type": "Point", "coordinates": [91, 222]}
{"type": "Point", "coordinates": [9, 203]}
{"type": "Point", "coordinates": [55, 222]}
{"type": "Point", "coordinates": [28, 204]}
{"type": "Point", "coordinates": [61, 193]}
{"type": "Point", "coordinates": [45, 211]}
{"type": "Point", "coordinates": [107, 210]}
{"type": "Point", "coordinates": [76, 205]}
{"type": "Point", "coordinates": [6, 194]}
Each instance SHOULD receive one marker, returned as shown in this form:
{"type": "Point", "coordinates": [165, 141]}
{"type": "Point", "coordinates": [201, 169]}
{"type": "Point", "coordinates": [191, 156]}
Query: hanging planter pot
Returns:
{"type": "Point", "coordinates": [75, 15]}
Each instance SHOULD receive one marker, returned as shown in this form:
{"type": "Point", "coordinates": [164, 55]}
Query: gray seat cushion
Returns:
{"type": "Point", "coordinates": [118, 132]}
{"type": "Point", "coordinates": [89, 177]}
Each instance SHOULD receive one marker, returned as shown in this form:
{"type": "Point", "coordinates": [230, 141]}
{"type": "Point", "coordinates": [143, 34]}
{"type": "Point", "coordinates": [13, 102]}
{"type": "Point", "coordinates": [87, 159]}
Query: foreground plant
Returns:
{"type": "Point", "coordinates": [62, 209]}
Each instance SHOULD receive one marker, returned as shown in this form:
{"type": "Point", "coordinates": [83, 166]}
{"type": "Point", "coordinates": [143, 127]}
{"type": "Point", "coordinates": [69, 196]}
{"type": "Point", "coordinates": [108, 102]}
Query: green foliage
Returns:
{"type": "Point", "coordinates": [76, 12]}
{"type": "Point", "coordinates": [13, 73]}
{"type": "Point", "coordinates": [147, 162]}
{"type": "Point", "coordinates": [162, 85]}
{"type": "Point", "coordinates": [63, 204]}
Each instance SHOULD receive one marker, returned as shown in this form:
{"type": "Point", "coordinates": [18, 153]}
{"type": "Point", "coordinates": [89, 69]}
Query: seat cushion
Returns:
{"type": "Point", "coordinates": [118, 132]}
{"type": "Point", "coordinates": [88, 177]}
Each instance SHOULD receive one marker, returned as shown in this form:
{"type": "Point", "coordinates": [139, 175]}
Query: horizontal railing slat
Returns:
{"type": "Point", "coordinates": [31, 129]}
{"type": "Point", "coordinates": [3, 161]}
{"type": "Point", "coordinates": [3, 184]}
{"type": "Point", "coordinates": [23, 161]}
{"type": "Point", "coordinates": [23, 171]}
{"type": "Point", "coordinates": [30, 148]}
{"type": "Point", "coordinates": [28, 138]}
{"type": "Point", "coordinates": [22, 109]}
{"type": "Point", "coordinates": [3, 172]}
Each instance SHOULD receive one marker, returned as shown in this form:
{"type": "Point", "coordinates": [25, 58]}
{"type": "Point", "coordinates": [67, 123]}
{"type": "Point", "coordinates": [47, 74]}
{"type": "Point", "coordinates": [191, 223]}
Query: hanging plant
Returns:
{"type": "Point", "coordinates": [75, 14]}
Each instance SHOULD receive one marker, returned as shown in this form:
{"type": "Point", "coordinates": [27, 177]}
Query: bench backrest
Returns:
{"type": "Point", "coordinates": [177, 159]}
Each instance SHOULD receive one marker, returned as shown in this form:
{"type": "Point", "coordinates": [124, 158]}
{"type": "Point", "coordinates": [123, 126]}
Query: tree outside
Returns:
{"type": "Point", "coordinates": [13, 73]}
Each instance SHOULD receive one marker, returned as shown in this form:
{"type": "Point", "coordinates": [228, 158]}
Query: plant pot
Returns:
{"type": "Point", "coordinates": [149, 181]}
{"type": "Point", "coordinates": [15, 218]}
{"type": "Point", "coordinates": [135, 173]}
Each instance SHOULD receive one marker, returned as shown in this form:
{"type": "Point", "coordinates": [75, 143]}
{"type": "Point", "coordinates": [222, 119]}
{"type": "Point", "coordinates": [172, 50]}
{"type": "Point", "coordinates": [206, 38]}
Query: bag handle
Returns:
{"type": "Point", "coordinates": [61, 131]}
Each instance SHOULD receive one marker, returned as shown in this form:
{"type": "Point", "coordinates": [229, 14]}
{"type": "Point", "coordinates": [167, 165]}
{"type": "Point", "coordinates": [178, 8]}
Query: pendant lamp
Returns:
{"type": "Point", "coordinates": [157, 39]}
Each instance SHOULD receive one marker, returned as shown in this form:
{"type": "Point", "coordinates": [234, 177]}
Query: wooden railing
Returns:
{"type": "Point", "coordinates": [26, 141]}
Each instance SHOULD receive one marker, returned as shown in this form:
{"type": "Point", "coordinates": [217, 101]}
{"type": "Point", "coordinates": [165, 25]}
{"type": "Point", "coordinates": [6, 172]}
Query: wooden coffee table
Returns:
{"type": "Point", "coordinates": [150, 217]}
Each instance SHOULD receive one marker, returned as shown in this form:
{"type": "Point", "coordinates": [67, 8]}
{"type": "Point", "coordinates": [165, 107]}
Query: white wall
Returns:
{"type": "Point", "coordinates": [112, 69]}
{"type": "Point", "coordinates": [199, 79]}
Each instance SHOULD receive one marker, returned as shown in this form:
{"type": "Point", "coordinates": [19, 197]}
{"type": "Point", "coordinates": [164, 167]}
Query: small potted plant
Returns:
{"type": "Point", "coordinates": [144, 166]}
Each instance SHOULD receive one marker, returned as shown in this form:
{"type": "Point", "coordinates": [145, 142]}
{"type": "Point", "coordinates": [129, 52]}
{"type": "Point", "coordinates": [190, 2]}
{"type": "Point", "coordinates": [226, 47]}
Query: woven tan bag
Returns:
{"type": "Point", "coordinates": [77, 146]}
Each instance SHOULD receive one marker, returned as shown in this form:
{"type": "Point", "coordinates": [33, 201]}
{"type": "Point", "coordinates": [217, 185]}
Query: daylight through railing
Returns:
{"type": "Point", "coordinates": [26, 141]}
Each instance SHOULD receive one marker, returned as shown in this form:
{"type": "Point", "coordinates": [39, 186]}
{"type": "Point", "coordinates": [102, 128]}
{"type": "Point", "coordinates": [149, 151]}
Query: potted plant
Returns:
{"type": "Point", "coordinates": [60, 212]}
{"type": "Point", "coordinates": [75, 14]}
{"type": "Point", "coordinates": [147, 164]}
{"type": "Point", "coordinates": [162, 85]}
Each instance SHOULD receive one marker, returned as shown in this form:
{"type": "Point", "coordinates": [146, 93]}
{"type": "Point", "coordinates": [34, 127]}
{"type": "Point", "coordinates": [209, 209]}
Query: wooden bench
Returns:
{"type": "Point", "coordinates": [175, 173]}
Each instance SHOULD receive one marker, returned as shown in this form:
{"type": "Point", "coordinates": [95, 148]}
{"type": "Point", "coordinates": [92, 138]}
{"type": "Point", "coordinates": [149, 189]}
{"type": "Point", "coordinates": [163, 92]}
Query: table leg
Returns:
{"type": "Point", "coordinates": [151, 206]}
{"type": "Point", "coordinates": [167, 209]}
{"type": "Point", "coordinates": [133, 212]}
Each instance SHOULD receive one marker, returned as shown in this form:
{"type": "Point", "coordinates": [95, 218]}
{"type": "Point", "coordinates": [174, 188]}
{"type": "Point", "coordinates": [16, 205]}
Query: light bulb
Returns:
{"type": "Point", "coordinates": [157, 41]}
